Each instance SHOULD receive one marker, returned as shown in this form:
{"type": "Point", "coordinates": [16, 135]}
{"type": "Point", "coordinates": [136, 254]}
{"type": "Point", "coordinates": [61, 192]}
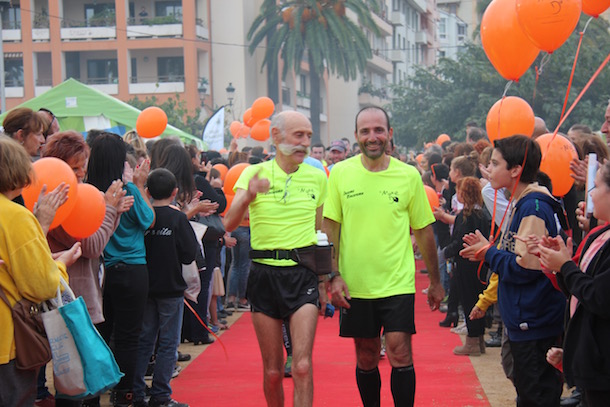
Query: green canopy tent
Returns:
{"type": "Point", "coordinates": [81, 108]}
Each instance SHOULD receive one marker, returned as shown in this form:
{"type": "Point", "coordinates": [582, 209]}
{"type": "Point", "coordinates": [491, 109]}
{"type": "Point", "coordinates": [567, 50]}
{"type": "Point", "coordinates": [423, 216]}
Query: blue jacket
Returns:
{"type": "Point", "coordinates": [530, 305]}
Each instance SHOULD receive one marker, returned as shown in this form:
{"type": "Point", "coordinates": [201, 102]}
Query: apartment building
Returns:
{"type": "Point", "coordinates": [452, 33]}
{"type": "Point", "coordinates": [125, 48]}
{"type": "Point", "coordinates": [197, 49]}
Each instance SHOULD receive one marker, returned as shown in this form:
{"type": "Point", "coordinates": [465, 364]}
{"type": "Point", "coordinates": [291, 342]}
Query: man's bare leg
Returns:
{"type": "Point", "coordinates": [269, 335]}
{"type": "Point", "coordinates": [302, 330]}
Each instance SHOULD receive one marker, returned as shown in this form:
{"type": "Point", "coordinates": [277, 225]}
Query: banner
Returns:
{"type": "Point", "coordinates": [214, 130]}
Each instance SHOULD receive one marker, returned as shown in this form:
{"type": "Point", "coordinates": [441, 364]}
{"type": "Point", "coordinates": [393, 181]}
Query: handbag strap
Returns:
{"type": "Point", "coordinates": [4, 297]}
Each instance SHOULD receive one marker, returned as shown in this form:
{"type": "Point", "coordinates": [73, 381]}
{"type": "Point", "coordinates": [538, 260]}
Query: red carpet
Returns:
{"type": "Point", "coordinates": [443, 379]}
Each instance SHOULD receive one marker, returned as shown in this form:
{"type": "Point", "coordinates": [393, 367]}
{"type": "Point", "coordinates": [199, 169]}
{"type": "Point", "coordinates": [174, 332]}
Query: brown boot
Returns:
{"type": "Point", "coordinates": [470, 348]}
{"type": "Point", "coordinates": [482, 343]}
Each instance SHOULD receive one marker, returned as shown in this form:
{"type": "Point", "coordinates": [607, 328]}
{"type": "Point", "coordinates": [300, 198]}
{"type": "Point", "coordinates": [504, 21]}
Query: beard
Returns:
{"type": "Point", "coordinates": [375, 154]}
{"type": "Point", "coordinates": [289, 149]}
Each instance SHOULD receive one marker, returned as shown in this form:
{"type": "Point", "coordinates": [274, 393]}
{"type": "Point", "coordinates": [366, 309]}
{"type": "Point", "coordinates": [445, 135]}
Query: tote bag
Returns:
{"type": "Point", "coordinates": [83, 365]}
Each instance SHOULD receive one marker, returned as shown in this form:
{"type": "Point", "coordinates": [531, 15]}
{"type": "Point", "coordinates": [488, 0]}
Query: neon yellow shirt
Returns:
{"type": "Point", "coordinates": [376, 211]}
{"type": "Point", "coordinates": [284, 217]}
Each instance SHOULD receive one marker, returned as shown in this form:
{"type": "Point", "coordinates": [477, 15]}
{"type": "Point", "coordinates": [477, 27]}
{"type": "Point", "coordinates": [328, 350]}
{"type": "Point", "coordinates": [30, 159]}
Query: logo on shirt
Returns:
{"type": "Point", "coordinates": [311, 192]}
{"type": "Point", "coordinates": [391, 195]}
{"type": "Point", "coordinates": [159, 232]}
{"type": "Point", "coordinates": [352, 194]}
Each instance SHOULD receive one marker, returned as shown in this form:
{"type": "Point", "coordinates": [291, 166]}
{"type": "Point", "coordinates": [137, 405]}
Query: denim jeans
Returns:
{"type": "Point", "coordinates": [238, 277]}
{"type": "Point", "coordinates": [162, 318]}
{"type": "Point", "coordinates": [125, 293]}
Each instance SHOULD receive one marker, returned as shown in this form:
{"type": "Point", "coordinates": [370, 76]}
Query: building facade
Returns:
{"type": "Point", "coordinates": [195, 49]}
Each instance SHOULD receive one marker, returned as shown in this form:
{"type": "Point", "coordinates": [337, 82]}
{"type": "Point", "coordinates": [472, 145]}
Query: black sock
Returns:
{"type": "Point", "coordinates": [369, 385]}
{"type": "Point", "coordinates": [403, 385]}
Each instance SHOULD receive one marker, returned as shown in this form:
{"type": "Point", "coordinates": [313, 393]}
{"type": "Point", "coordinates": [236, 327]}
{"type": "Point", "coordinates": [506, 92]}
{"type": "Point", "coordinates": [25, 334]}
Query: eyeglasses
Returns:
{"type": "Point", "coordinates": [285, 196]}
{"type": "Point", "coordinates": [53, 118]}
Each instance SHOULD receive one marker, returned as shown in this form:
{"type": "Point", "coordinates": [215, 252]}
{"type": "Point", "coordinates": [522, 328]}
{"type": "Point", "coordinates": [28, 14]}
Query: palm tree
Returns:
{"type": "Point", "coordinates": [319, 30]}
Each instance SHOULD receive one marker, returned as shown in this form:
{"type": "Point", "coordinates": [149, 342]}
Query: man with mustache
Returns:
{"type": "Point", "coordinates": [373, 202]}
{"type": "Point", "coordinates": [284, 198]}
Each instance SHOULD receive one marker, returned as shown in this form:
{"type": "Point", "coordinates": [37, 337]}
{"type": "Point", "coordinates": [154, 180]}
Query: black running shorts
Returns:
{"type": "Point", "coordinates": [279, 291]}
{"type": "Point", "coordinates": [365, 318]}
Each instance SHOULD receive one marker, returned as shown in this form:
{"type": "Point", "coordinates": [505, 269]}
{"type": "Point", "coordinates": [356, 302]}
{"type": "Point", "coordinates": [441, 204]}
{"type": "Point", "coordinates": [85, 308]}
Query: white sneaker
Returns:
{"type": "Point", "coordinates": [461, 329]}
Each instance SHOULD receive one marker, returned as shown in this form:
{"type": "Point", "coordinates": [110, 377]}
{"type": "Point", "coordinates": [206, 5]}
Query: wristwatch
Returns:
{"type": "Point", "coordinates": [333, 275]}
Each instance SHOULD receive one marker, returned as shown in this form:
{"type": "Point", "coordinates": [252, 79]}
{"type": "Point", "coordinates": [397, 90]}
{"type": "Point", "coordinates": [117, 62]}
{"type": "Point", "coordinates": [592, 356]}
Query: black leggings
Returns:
{"type": "Point", "coordinates": [125, 293]}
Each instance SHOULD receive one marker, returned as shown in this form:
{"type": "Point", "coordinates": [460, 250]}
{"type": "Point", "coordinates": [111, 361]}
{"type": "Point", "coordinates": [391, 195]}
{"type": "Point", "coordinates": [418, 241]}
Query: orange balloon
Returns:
{"type": "Point", "coordinates": [243, 132]}
{"type": "Point", "coordinates": [432, 197]}
{"type": "Point", "coordinates": [260, 131]}
{"type": "Point", "coordinates": [509, 116]}
{"type": "Point", "coordinates": [419, 157]}
{"type": "Point", "coordinates": [249, 120]}
{"type": "Point", "coordinates": [556, 158]}
{"type": "Point", "coordinates": [88, 213]}
{"type": "Point", "coordinates": [229, 202]}
{"type": "Point", "coordinates": [507, 47]}
{"type": "Point", "coordinates": [51, 171]}
{"type": "Point", "coordinates": [595, 7]}
{"type": "Point", "coordinates": [232, 176]}
{"type": "Point", "coordinates": [548, 23]}
{"type": "Point", "coordinates": [151, 122]}
{"type": "Point", "coordinates": [234, 128]}
{"type": "Point", "coordinates": [262, 108]}
{"type": "Point", "coordinates": [442, 138]}
{"type": "Point", "coordinates": [222, 169]}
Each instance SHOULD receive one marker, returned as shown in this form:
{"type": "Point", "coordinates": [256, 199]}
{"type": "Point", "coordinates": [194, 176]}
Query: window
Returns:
{"type": "Point", "coordinates": [13, 71]}
{"type": "Point", "coordinates": [100, 15]}
{"type": "Point", "coordinates": [170, 69]}
{"type": "Point", "coordinates": [396, 5]}
{"type": "Point", "coordinates": [134, 70]}
{"type": "Point", "coordinates": [168, 8]}
{"type": "Point", "coordinates": [11, 17]}
{"type": "Point", "coordinates": [303, 85]}
{"type": "Point", "coordinates": [461, 32]}
{"type": "Point", "coordinates": [102, 71]}
{"type": "Point", "coordinates": [73, 65]}
{"type": "Point", "coordinates": [442, 28]}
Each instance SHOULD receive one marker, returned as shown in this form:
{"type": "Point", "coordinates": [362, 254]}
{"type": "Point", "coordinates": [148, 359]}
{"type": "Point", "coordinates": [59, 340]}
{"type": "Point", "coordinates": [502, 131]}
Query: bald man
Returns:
{"type": "Point", "coordinates": [284, 198]}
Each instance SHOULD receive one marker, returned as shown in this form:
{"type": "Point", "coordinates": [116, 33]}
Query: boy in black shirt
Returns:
{"type": "Point", "coordinates": [170, 243]}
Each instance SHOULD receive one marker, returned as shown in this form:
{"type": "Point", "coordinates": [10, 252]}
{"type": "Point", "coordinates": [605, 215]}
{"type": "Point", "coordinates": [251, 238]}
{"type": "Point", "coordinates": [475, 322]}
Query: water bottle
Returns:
{"type": "Point", "coordinates": [322, 238]}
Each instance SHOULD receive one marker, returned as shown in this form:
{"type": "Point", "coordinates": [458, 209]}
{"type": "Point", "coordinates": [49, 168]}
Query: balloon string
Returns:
{"type": "Point", "coordinates": [539, 69]}
{"type": "Point", "coordinates": [580, 95]}
{"type": "Point", "coordinates": [565, 102]}
{"type": "Point", "coordinates": [207, 328]}
{"type": "Point", "coordinates": [535, 84]}
{"type": "Point", "coordinates": [506, 88]}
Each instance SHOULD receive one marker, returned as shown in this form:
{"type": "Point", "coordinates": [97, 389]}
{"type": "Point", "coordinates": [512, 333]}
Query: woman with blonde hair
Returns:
{"type": "Point", "coordinates": [27, 269]}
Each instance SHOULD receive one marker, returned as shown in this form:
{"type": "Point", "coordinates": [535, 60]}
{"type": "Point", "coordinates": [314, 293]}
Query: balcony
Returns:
{"type": "Point", "coordinates": [420, 5]}
{"type": "Point", "coordinates": [383, 24]}
{"type": "Point", "coordinates": [40, 34]}
{"type": "Point", "coordinates": [397, 18]}
{"type": "Point", "coordinates": [366, 99]}
{"type": "Point", "coordinates": [156, 84]}
{"type": "Point", "coordinates": [397, 55]}
{"type": "Point", "coordinates": [88, 33]}
{"type": "Point", "coordinates": [154, 31]}
{"type": "Point", "coordinates": [303, 101]}
{"type": "Point", "coordinates": [380, 62]}
{"type": "Point", "coordinates": [11, 34]}
{"type": "Point", "coordinates": [421, 37]}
